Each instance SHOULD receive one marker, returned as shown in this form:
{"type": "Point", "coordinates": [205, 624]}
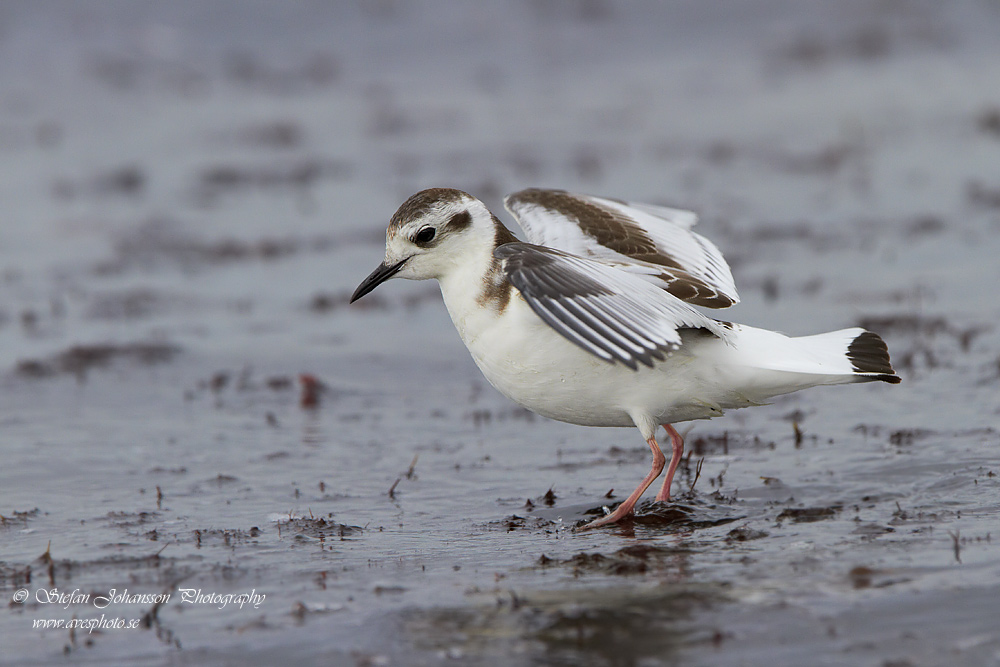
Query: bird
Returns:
{"type": "Point", "coordinates": [596, 319]}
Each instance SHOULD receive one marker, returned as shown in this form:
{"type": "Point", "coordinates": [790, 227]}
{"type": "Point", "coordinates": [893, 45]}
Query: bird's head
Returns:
{"type": "Point", "coordinates": [429, 235]}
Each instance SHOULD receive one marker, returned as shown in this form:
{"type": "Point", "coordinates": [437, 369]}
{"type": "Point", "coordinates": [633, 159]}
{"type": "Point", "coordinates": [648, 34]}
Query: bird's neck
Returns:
{"type": "Point", "coordinates": [476, 290]}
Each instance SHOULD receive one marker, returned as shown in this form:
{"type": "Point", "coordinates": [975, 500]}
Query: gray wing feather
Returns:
{"type": "Point", "coordinates": [614, 315]}
{"type": "Point", "coordinates": [653, 242]}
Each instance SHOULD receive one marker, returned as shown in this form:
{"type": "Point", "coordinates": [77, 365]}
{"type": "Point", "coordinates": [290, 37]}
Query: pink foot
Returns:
{"type": "Point", "coordinates": [626, 507]}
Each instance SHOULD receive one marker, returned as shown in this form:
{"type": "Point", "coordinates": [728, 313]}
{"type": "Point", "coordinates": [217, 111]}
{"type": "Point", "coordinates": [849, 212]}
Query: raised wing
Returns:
{"type": "Point", "coordinates": [614, 315]}
{"type": "Point", "coordinates": [654, 242]}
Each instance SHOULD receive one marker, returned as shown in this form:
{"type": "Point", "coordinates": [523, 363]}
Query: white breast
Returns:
{"type": "Point", "coordinates": [534, 366]}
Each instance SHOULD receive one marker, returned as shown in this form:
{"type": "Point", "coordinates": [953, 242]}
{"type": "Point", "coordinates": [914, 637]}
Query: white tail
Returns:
{"type": "Point", "coordinates": [766, 363]}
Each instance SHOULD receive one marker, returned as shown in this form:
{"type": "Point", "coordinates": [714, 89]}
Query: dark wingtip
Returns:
{"type": "Point", "coordinates": [869, 355]}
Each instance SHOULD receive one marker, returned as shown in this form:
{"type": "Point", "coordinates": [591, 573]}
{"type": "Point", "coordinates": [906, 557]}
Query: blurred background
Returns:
{"type": "Point", "coordinates": [189, 192]}
{"type": "Point", "coordinates": [139, 135]}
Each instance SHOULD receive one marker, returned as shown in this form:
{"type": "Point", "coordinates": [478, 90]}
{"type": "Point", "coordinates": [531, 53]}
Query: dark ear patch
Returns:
{"type": "Point", "coordinates": [460, 221]}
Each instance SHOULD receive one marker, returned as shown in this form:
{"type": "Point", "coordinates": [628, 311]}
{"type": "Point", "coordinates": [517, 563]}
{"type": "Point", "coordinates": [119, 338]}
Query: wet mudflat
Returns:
{"type": "Point", "coordinates": [189, 408]}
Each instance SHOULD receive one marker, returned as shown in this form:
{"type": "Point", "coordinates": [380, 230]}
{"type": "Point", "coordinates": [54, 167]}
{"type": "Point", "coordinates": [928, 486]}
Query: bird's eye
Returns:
{"type": "Point", "coordinates": [425, 235]}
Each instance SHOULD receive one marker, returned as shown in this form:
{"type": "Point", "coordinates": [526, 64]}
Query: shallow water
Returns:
{"type": "Point", "coordinates": [191, 192]}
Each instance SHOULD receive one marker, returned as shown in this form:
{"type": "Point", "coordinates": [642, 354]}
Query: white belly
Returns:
{"type": "Point", "coordinates": [537, 368]}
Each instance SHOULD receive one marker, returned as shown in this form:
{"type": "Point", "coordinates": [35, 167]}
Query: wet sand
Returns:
{"type": "Point", "coordinates": [189, 407]}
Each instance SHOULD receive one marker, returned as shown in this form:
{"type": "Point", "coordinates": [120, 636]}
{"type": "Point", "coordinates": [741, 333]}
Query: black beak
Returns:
{"type": "Point", "coordinates": [381, 274]}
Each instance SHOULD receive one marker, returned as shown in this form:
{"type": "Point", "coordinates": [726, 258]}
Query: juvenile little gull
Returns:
{"type": "Point", "coordinates": [594, 321]}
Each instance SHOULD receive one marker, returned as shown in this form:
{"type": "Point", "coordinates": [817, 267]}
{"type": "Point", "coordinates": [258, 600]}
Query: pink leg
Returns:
{"type": "Point", "coordinates": [626, 507]}
{"type": "Point", "coordinates": [677, 442]}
